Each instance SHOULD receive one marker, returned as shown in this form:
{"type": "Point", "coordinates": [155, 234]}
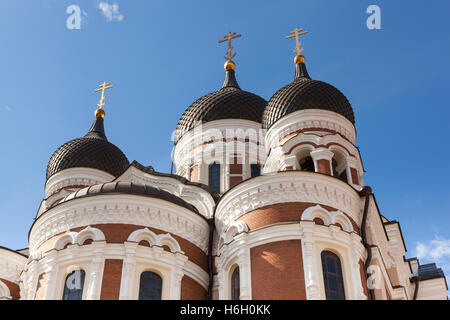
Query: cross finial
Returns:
{"type": "Point", "coordinates": [103, 87]}
{"type": "Point", "coordinates": [228, 37]}
{"type": "Point", "coordinates": [296, 33]}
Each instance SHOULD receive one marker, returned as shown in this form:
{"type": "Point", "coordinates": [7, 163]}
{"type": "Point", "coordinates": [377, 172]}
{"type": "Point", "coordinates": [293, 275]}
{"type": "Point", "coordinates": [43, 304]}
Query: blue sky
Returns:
{"type": "Point", "coordinates": [163, 55]}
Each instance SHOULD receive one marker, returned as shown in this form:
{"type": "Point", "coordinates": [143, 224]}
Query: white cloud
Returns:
{"type": "Point", "coordinates": [437, 249]}
{"type": "Point", "coordinates": [110, 11]}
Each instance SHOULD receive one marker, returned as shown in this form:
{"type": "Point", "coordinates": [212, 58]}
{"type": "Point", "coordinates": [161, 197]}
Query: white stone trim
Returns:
{"type": "Point", "coordinates": [121, 209]}
{"type": "Point", "coordinates": [327, 217]}
{"type": "Point", "coordinates": [282, 187]}
{"type": "Point", "coordinates": [79, 237]}
{"type": "Point", "coordinates": [76, 176]}
{"type": "Point", "coordinates": [310, 118]}
{"type": "Point", "coordinates": [155, 240]}
{"type": "Point", "coordinates": [11, 265]}
{"type": "Point", "coordinates": [289, 150]}
{"type": "Point", "coordinates": [204, 145]}
{"type": "Point", "coordinates": [91, 258]}
{"type": "Point", "coordinates": [233, 230]}
{"type": "Point", "coordinates": [314, 239]}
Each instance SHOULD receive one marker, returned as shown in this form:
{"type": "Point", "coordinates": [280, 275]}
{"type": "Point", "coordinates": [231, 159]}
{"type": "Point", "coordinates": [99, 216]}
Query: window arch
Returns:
{"type": "Point", "coordinates": [74, 285]}
{"type": "Point", "coordinates": [332, 276]}
{"type": "Point", "coordinates": [214, 176]}
{"type": "Point", "coordinates": [339, 164]}
{"type": "Point", "coordinates": [150, 286]}
{"type": "Point", "coordinates": [235, 284]}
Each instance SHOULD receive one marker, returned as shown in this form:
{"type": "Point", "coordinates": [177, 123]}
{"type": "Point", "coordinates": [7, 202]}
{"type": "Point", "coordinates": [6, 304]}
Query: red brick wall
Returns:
{"type": "Point", "coordinates": [118, 233]}
{"type": "Point", "coordinates": [282, 212]}
{"type": "Point", "coordinates": [234, 181]}
{"type": "Point", "coordinates": [14, 289]}
{"type": "Point", "coordinates": [323, 166]}
{"type": "Point", "coordinates": [191, 290]}
{"type": "Point", "coordinates": [277, 271]}
{"type": "Point", "coordinates": [354, 173]}
{"type": "Point", "coordinates": [112, 275]}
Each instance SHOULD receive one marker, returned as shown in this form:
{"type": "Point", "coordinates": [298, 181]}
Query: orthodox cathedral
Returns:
{"type": "Point", "coordinates": [267, 201]}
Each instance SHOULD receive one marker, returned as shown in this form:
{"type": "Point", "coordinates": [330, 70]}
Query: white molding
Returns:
{"type": "Point", "coordinates": [121, 209]}
{"type": "Point", "coordinates": [58, 264]}
{"type": "Point", "coordinates": [328, 217]}
{"type": "Point", "coordinates": [282, 187]}
{"type": "Point", "coordinates": [79, 237]}
{"type": "Point", "coordinates": [205, 145]}
{"type": "Point", "coordinates": [198, 197]}
{"type": "Point", "coordinates": [155, 240]}
{"type": "Point", "coordinates": [288, 151]}
{"type": "Point", "coordinates": [76, 176]}
{"type": "Point", "coordinates": [236, 228]}
{"type": "Point", "coordinates": [310, 118]}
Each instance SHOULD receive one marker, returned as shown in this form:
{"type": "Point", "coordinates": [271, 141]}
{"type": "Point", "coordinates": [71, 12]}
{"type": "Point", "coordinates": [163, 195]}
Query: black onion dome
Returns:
{"type": "Point", "coordinates": [230, 102]}
{"type": "Point", "coordinates": [91, 151]}
{"type": "Point", "coordinates": [305, 93]}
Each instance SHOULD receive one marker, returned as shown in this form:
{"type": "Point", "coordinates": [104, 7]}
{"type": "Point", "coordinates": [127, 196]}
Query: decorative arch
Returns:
{"type": "Point", "coordinates": [236, 228]}
{"type": "Point", "coordinates": [67, 238]}
{"type": "Point", "coordinates": [143, 234]}
{"type": "Point", "coordinates": [155, 240]}
{"type": "Point", "coordinates": [327, 217]}
{"type": "Point", "coordinates": [168, 240]}
{"type": "Point", "coordinates": [317, 212]}
{"type": "Point", "coordinates": [339, 162]}
{"type": "Point", "coordinates": [89, 233]}
{"type": "Point", "coordinates": [342, 219]}
{"type": "Point", "coordinates": [303, 156]}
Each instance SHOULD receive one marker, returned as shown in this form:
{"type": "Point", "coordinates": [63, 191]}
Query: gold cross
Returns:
{"type": "Point", "coordinates": [296, 33]}
{"type": "Point", "coordinates": [103, 87]}
{"type": "Point", "coordinates": [228, 37]}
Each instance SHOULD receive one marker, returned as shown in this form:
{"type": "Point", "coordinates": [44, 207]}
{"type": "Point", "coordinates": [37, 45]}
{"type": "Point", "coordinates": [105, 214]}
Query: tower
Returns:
{"type": "Point", "coordinates": [218, 139]}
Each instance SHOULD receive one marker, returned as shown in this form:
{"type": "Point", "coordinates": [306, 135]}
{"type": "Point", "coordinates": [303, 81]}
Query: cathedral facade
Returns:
{"type": "Point", "coordinates": [268, 201]}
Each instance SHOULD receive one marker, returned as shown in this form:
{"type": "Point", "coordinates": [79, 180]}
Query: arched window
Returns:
{"type": "Point", "coordinates": [255, 170]}
{"type": "Point", "coordinates": [214, 176]}
{"type": "Point", "coordinates": [332, 276]}
{"type": "Point", "coordinates": [73, 286]}
{"type": "Point", "coordinates": [235, 284]}
{"type": "Point", "coordinates": [150, 286]}
{"type": "Point", "coordinates": [307, 164]}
